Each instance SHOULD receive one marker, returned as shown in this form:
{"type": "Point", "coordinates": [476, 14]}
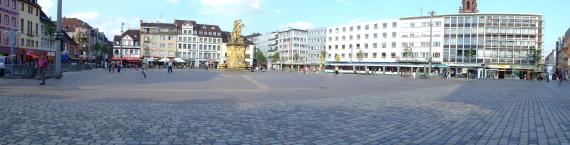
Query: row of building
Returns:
{"type": "Point", "coordinates": [197, 44]}
{"type": "Point", "coordinates": [467, 44]}
{"type": "Point", "coordinates": [557, 62]}
{"type": "Point", "coordinates": [26, 33]}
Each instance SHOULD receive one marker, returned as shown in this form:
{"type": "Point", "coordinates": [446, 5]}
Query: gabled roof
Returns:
{"type": "Point", "coordinates": [198, 27]}
{"type": "Point", "coordinates": [134, 34]}
{"type": "Point", "coordinates": [69, 24]}
{"type": "Point", "coordinates": [180, 23]}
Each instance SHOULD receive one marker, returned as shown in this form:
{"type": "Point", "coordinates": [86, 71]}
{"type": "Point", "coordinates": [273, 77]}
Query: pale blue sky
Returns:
{"type": "Point", "coordinates": [271, 15]}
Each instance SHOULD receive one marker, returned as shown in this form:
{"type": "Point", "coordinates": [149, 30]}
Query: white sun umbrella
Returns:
{"type": "Point", "coordinates": [179, 60]}
{"type": "Point", "coordinates": [164, 60]}
{"type": "Point", "coordinates": [151, 59]}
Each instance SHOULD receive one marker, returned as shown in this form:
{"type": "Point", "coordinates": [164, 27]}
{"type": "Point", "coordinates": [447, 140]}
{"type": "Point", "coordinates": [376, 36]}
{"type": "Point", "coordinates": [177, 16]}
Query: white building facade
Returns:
{"type": "Point", "coordinates": [316, 43]}
{"type": "Point", "coordinates": [198, 43]}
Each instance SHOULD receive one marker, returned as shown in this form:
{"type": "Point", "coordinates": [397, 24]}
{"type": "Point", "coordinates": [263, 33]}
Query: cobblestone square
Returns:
{"type": "Point", "coordinates": [208, 107]}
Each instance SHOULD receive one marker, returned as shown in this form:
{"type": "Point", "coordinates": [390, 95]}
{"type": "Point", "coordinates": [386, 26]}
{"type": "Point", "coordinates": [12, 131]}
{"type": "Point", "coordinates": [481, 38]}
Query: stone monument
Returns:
{"type": "Point", "coordinates": [235, 59]}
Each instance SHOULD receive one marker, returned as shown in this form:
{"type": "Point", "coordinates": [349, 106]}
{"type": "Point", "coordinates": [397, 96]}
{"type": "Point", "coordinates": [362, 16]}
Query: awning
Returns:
{"type": "Point", "coordinates": [179, 60]}
{"type": "Point", "coordinates": [164, 59]}
{"type": "Point", "coordinates": [151, 59]}
{"type": "Point", "coordinates": [34, 56]}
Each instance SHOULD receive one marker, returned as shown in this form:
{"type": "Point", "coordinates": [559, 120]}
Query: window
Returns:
{"type": "Point", "coordinates": [365, 36]}
{"type": "Point", "coordinates": [393, 55]}
{"type": "Point", "coordinates": [393, 44]}
{"type": "Point", "coordinates": [384, 25]}
{"type": "Point", "coordinates": [374, 45]}
{"type": "Point", "coordinates": [357, 28]}
{"type": "Point", "coordinates": [384, 35]}
{"type": "Point", "coordinates": [375, 26]}
{"type": "Point", "coordinates": [394, 24]}
{"type": "Point", "coordinates": [375, 35]}
{"type": "Point", "coordinates": [351, 28]}
{"type": "Point", "coordinates": [366, 27]}
{"type": "Point", "coordinates": [384, 45]}
{"type": "Point", "coordinates": [374, 55]}
{"type": "Point", "coordinates": [37, 29]}
{"type": "Point", "coordinates": [393, 34]}
{"type": "Point", "coordinates": [383, 54]}
{"type": "Point", "coordinates": [6, 20]}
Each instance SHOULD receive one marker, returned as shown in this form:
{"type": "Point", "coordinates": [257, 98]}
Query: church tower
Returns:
{"type": "Point", "coordinates": [468, 6]}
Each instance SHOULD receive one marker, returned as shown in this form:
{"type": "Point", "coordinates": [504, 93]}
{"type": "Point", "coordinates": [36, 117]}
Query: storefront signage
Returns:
{"type": "Point", "coordinates": [500, 66]}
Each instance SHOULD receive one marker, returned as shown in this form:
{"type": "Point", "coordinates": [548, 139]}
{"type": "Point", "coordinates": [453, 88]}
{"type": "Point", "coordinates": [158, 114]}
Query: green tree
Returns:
{"type": "Point", "coordinates": [360, 55]}
{"type": "Point", "coordinates": [469, 54]}
{"type": "Point", "coordinates": [81, 40]}
{"type": "Point", "coordinates": [322, 59]}
{"type": "Point", "coordinates": [276, 57]}
{"type": "Point", "coordinates": [296, 57]}
{"type": "Point", "coordinates": [99, 50]}
{"type": "Point", "coordinates": [50, 32]}
{"type": "Point", "coordinates": [260, 57]}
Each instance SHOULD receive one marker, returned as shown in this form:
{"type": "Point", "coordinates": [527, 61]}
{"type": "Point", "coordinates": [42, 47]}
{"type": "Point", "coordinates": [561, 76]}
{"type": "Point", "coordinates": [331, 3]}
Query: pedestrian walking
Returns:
{"type": "Point", "coordinates": [561, 78]}
{"type": "Point", "coordinates": [41, 67]}
{"type": "Point", "coordinates": [143, 72]}
{"type": "Point", "coordinates": [119, 66]}
{"type": "Point", "coordinates": [113, 65]}
{"type": "Point", "coordinates": [169, 66]}
{"type": "Point", "coordinates": [109, 66]}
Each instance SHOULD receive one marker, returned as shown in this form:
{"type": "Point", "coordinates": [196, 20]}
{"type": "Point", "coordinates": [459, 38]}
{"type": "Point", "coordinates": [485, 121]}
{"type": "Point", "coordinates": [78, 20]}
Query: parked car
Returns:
{"type": "Point", "coordinates": [2, 65]}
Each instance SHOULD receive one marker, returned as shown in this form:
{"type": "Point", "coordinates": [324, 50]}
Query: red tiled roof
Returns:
{"type": "Point", "coordinates": [69, 24]}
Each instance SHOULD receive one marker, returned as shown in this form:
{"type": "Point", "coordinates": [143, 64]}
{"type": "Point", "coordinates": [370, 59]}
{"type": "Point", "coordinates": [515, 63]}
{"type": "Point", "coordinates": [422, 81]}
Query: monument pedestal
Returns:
{"type": "Point", "coordinates": [235, 58]}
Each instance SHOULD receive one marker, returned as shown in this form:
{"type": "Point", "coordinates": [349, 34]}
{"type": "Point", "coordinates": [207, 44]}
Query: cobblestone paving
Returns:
{"type": "Point", "coordinates": [198, 107]}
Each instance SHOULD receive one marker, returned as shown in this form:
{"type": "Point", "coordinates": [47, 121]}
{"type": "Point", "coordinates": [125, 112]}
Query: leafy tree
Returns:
{"type": "Point", "coordinates": [360, 55]}
{"type": "Point", "coordinates": [295, 57]}
{"type": "Point", "coordinates": [276, 57]}
{"type": "Point", "coordinates": [260, 57]}
{"type": "Point", "coordinates": [322, 58]}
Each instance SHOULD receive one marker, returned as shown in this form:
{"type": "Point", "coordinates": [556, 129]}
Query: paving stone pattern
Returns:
{"type": "Point", "coordinates": [200, 107]}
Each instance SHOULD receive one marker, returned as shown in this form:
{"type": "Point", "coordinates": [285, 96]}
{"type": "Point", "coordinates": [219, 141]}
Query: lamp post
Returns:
{"type": "Point", "coordinates": [58, 45]}
{"type": "Point", "coordinates": [121, 46]}
{"type": "Point", "coordinates": [13, 41]}
{"type": "Point", "coordinates": [432, 13]}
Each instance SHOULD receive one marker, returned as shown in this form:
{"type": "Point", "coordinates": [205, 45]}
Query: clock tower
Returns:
{"type": "Point", "coordinates": [468, 6]}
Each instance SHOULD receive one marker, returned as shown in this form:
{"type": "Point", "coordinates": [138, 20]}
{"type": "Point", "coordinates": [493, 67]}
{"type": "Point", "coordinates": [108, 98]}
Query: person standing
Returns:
{"type": "Point", "coordinates": [41, 67]}
{"type": "Point", "coordinates": [169, 66]}
{"type": "Point", "coordinates": [119, 65]}
{"type": "Point", "coordinates": [561, 78]}
{"type": "Point", "coordinates": [143, 72]}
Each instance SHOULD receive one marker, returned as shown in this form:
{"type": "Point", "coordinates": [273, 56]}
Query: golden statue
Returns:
{"type": "Point", "coordinates": [235, 49]}
{"type": "Point", "coordinates": [235, 36]}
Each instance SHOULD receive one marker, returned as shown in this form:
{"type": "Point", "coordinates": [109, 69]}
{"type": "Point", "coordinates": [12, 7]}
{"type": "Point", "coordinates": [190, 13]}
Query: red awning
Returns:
{"type": "Point", "coordinates": [34, 56]}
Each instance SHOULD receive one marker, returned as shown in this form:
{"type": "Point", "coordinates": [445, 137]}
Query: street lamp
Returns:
{"type": "Point", "coordinates": [58, 45]}
{"type": "Point", "coordinates": [121, 46]}
{"type": "Point", "coordinates": [13, 41]}
{"type": "Point", "coordinates": [432, 13]}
